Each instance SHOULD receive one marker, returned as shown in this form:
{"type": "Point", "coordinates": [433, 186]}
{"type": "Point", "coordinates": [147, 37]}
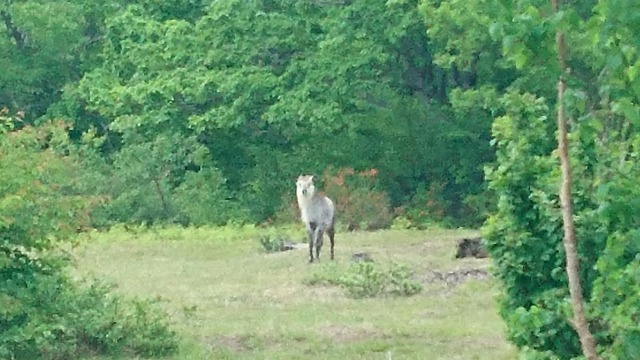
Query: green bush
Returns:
{"type": "Point", "coordinates": [43, 313]}
{"type": "Point", "coordinates": [146, 172]}
{"type": "Point", "coordinates": [364, 279]}
{"type": "Point", "coordinates": [328, 274]}
{"type": "Point", "coordinates": [427, 206]}
{"type": "Point", "coordinates": [524, 237]}
{"type": "Point", "coordinates": [400, 282]}
{"type": "Point", "coordinates": [367, 279]}
{"type": "Point", "coordinates": [47, 315]}
{"type": "Point", "coordinates": [271, 243]}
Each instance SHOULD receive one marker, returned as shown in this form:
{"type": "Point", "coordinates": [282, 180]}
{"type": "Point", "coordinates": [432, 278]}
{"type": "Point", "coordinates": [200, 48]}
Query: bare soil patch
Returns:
{"type": "Point", "coordinates": [346, 334]}
{"type": "Point", "coordinates": [230, 342]}
{"type": "Point", "coordinates": [455, 277]}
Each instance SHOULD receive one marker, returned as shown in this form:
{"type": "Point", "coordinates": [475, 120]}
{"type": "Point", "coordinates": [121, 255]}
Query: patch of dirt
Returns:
{"type": "Point", "coordinates": [344, 334]}
{"type": "Point", "coordinates": [429, 246]}
{"type": "Point", "coordinates": [456, 277]}
{"type": "Point", "coordinates": [230, 342]}
{"type": "Point", "coordinates": [295, 294]}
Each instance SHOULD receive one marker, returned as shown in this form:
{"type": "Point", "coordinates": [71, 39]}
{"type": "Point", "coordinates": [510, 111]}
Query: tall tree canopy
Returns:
{"type": "Point", "coordinates": [272, 89]}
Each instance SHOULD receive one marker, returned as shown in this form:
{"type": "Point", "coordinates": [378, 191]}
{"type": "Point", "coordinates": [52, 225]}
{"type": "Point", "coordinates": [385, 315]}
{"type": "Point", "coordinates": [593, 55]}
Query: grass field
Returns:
{"type": "Point", "coordinates": [228, 299]}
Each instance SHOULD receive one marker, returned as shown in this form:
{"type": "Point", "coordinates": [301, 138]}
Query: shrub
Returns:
{"type": "Point", "coordinates": [476, 208]}
{"type": "Point", "coordinates": [123, 325]}
{"type": "Point", "coordinates": [47, 315]}
{"type": "Point", "coordinates": [366, 279]}
{"type": "Point", "coordinates": [271, 243]}
{"type": "Point", "coordinates": [359, 205]}
{"type": "Point", "coordinates": [328, 274]}
{"type": "Point", "coordinates": [44, 314]}
{"type": "Point", "coordinates": [401, 222]}
{"type": "Point", "coordinates": [144, 174]}
{"type": "Point", "coordinates": [400, 282]}
{"type": "Point", "coordinates": [288, 212]}
{"type": "Point", "coordinates": [524, 236]}
{"type": "Point", "coordinates": [273, 239]}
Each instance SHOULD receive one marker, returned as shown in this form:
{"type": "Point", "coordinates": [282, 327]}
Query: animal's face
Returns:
{"type": "Point", "coordinates": [305, 185]}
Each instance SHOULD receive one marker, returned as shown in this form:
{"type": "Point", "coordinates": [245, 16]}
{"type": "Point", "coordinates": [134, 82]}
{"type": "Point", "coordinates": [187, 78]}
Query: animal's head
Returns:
{"type": "Point", "coordinates": [305, 185]}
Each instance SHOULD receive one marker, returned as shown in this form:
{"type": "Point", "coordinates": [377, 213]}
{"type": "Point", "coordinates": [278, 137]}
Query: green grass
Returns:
{"type": "Point", "coordinates": [230, 300]}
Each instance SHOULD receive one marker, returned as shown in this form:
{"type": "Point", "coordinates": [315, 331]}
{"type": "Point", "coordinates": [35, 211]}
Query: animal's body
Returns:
{"type": "Point", "coordinates": [317, 213]}
{"type": "Point", "coordinates": [471, 248]}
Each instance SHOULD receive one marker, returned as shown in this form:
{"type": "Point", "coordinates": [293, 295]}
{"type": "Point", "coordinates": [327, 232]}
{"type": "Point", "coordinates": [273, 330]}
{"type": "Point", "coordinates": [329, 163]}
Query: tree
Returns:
{"type": "Point", "coordinates": [273, 89]}
{"type": "Point", "coordinates": [45, 313]}
{"type": "Point", "coordinates": [524, 235]}
{"type": "Point", "coordinates": [46, 46]}
{"type": "Point", "coordinates": [573, 263]}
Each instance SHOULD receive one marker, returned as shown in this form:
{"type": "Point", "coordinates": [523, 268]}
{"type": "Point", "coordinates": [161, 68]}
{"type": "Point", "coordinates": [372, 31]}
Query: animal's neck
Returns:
{"type": "Point", "coordinates": [305, 199]}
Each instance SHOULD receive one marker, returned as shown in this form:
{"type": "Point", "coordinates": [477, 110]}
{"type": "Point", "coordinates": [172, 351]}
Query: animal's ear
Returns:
{"type": "Point", "coordinates": [314, 178]}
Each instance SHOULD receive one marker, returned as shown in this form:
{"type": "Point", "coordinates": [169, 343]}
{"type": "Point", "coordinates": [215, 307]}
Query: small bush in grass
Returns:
{"type": "Point", "coordinates": [367, 279]}
{"type": "Point", "coordinates": [280, 239]}
{"type": "Point", "coordinates": [124, 325]}
{"type": "Point", "coordinates": [328, 274]}
{"type": "Point", "coordinates": [401, 222]}
{"type": "Point", "coordinates": [400, 282]}
{"type": "Point", "coordinates": [271, 243]}
{"type": "Point", "coordinates": [364, 280]}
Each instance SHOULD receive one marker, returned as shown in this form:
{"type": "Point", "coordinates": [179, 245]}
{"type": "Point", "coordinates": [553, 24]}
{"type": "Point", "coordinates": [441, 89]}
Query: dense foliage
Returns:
{"type": "Point", "coordinates": [234, 99]}
{"type": "Point", "coordinates": [44, 313]}
{"type": "Point", "coordinates": [367, 279]}
{"type": "Point", "coordinates": [525, 234]}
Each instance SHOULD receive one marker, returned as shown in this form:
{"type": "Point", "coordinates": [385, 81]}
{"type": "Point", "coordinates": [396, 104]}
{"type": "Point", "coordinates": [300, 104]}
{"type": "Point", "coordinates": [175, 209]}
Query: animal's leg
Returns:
{"type": "Point", "coordinates": [319, 235]}
{"type": "Point", "coordinates": [311, 227]}
{"type": "Point", "coordinates": [331, 232]}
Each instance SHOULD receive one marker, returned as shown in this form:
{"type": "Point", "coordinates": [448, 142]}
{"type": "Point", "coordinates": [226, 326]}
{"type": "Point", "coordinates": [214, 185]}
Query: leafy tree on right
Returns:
{"type": "Point", "coordinates": [525, 234]}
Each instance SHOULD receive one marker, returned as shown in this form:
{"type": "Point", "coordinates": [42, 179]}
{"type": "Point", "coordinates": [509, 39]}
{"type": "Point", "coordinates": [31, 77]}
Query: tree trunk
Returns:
{"type": "Point", "coordinates": [569, 241]}
{"type": "Point", "coordinates": [17, 35]}
{"type": "Point", "coordinates": [165, 205]}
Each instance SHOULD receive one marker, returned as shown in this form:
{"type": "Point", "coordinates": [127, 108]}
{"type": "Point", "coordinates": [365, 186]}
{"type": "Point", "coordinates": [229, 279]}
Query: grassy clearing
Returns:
{"type": "Point", "coordinates": [230, 300]}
